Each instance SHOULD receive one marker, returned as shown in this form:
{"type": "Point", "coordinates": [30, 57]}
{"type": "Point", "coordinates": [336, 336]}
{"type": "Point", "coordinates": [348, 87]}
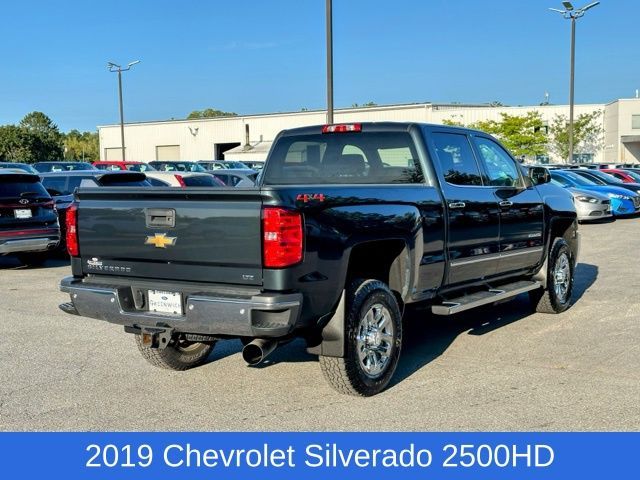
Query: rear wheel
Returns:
{"type": "Point", "coordinates": [178, 355]}
{"type": "Point", "coordinates": [373, 333]}
{"type": "Point", "coordinates": [556, 298]}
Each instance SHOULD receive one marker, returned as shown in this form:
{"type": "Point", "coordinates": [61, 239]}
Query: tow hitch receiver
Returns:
{"type": "Point", "coordinates": [152, 337]}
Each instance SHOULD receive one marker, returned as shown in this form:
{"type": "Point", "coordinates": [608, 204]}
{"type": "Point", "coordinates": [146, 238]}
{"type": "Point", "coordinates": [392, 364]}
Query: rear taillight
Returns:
{"type": "Point", "coordinates": [180, 180]}
{"type": "Point", "coordinates": [72, 231]}
{"type": "Point", "coordinates": [282, 237]}
{"type": "Point", "coordinates": [342, 128]}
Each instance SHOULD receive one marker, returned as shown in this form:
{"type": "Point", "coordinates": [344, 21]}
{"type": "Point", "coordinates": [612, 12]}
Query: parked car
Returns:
{"type": "Point", "coordinates": [44, 167]}
{"type": "Point", "coordinates": [182, 179]}
{"type": "Point", "coordinates": [602, 178]}
{"type": "Point", "coordinates": [590, 205]}
{"type": "Point", "coordinates": [20, 166]}
{"type": "Point", "coordinates": [623, 202]}
{"type": "Point", "coordinates": [115, 165]}
{"type": "Point", "coordinates": [331, 247]}
{"type": "Point", "coordinates": [62, 185]}
{"type": "Point", "coordinates": [222, 165]}
{"type": "Point", "coordinates": [237, 178]}
{"type": "Point", "coordinates": [28, 220]}
{"type": "Point", "coordinates": [177, 166]}
{"type": "Point", "coordinates": [254, 164]}
{"type": "Point", "coordinates": [625, 176]}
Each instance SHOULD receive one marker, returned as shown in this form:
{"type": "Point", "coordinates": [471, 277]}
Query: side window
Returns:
{"type": "Point", "coordinates": [157, 183]}
{"type": "Point", "coordinates": [560, 180]}
{"type": "Point", "coordinates": [224, 178]}
{"type": "Point", "coordinates": [456, 159]}
{"type": "Point", "coordinates": [501, 168]}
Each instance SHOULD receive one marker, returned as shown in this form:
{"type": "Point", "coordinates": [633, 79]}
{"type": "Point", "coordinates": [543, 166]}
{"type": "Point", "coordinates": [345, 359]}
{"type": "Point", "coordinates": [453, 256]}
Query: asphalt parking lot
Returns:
{"type": "Point", "coordinates": [498, 368]}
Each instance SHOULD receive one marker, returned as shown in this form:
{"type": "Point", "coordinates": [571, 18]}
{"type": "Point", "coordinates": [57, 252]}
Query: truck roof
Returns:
{"type": "Point", "coordinates": [378, 127]}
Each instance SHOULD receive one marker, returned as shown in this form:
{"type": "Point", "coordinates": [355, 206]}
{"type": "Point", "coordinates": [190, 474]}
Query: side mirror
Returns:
{"type": "Point", "coordinates": [539, 175]}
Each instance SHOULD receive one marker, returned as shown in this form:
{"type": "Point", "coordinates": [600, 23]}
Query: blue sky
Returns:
{"type": "Point", "coordinates": [255, 56]}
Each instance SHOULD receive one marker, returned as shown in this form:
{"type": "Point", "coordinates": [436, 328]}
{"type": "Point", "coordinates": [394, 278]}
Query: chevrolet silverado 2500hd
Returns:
{"type": "Point", "coordinates": [348, 225]}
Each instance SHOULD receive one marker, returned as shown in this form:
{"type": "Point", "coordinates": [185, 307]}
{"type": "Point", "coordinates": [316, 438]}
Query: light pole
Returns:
{"type": "Point", "coordinates": [572, 14]}
{"type": "Point", "coordinates": [117, 68]}
{"type": "Point", "coordinates": [329, 21]}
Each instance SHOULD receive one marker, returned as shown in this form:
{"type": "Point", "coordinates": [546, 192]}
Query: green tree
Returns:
{"type": "Point", "coordinates": [521, 134]}
{"type": "Point", "coordinates": [81, 146]}
{"type": "Point", "coordinates": [15, 144]}
{"type": "Point", "coordinates": [368, 104]}
{"type": "Point", "coordinates": [45, 138]}
{"type": "Point", "coordinates": [210, 113]}
{"type": "Point", "coordinates": [588, 134]}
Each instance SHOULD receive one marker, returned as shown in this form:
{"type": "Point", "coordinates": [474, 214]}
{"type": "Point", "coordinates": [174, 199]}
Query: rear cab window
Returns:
{"type": "Point", "coordinates": [456, 159]}
{"type": "Point", "coordinates": [344, 158]}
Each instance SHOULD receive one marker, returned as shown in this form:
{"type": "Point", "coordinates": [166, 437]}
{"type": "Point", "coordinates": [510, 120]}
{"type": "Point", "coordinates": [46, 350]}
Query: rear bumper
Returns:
{"type": "Point", "coordinates": [28, 244]}
{"type": "Point", "coordinates": [207, 313]}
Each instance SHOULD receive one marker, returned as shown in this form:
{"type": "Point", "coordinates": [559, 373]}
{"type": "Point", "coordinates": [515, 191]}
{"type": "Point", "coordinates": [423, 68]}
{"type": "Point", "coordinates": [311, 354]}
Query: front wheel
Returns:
{"type": "Point", "coordinates": [373, 334]}
{"type": "Point", "coordinates": [556, 297]}
{"type": "Point", "coordinates": [178, 355]}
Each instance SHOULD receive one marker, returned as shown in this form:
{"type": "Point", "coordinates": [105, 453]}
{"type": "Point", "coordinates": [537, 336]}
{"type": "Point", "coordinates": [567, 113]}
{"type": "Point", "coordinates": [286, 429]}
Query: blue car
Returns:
{"type": "Point", "coordinates": [623, 201]}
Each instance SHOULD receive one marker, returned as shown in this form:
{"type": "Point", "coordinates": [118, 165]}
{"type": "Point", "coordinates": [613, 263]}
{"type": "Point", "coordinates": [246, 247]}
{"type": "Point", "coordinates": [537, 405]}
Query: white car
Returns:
{"type": "Point", "coordinates": [182, 179]}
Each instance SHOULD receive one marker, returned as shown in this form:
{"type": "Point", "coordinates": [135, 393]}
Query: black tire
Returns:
{"type": "Point", "coordinates": [550, 300]}
{"type": "Point", "coordinates": [349, 375]}
{"type": "Point", "coordinates": [178, 355]}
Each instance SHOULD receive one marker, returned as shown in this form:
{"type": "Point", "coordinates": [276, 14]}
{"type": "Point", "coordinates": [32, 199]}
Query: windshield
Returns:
{"type": "Point", "coordinates": [63, 185]}
{"type": "Point", "coordinates": [577, 179]}
{"type": "Point", "coordinates": [236, 165]}
{"type": "Point", "coordinates": [140, 167]}
{"type": "Point", "coordinates": [178, 167]}
{"type": "Point", "coordinates": [605, 177]}
{"type": "Point", "coordinates": [19, 166]}
{"type": "Point", "coordinates": [634, 175]}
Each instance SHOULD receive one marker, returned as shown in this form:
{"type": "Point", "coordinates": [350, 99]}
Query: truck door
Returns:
{"type": "Point", "coordinates": [472, 209]}
{"type": "Point", "coordinates": [521, 207]}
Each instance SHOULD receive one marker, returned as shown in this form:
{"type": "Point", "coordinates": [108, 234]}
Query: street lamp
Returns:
{"type": "Point", "coordinates": [570, 13]}
{"type": "Point", "coordinates": [329, 21]}
{"type": "Point", "coordinates": [117, 68]}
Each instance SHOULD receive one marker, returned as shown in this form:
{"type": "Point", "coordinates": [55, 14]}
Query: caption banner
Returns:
{"type": "Point", "coordinates": [316, 455]}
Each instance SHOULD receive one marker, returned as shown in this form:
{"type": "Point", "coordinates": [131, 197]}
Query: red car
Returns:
{"type": "Point", "coordinates": [120, 165]}
{"type": "Point", "coordinates": [624, 175]}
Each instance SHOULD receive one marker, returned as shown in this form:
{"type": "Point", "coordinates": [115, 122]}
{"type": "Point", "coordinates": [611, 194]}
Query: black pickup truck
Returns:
{"type": "Point", "coordinates": [348, 225]}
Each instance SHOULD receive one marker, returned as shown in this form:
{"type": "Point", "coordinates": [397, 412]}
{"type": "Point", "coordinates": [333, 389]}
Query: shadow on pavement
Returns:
{"type": "Point", "coordinates": [427, 336]}
{"type": "Point", "coordinates": [10, 262]}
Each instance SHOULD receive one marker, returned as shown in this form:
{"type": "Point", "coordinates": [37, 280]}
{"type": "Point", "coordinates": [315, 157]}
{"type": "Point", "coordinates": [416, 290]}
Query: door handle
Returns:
{"type": "Point", "coordinates": [505, 203]}
{"type": "Point", "coordinates": [457, 205]}
{"type": "Point", "coordinates": [160, 217]}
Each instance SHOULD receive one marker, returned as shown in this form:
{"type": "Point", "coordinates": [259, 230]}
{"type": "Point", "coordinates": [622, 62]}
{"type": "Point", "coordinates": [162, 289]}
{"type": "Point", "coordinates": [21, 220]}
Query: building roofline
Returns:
{"type": "Point", "coordinates": [436, 106]}
{"type": "Point", "coordinates": [276, 114]}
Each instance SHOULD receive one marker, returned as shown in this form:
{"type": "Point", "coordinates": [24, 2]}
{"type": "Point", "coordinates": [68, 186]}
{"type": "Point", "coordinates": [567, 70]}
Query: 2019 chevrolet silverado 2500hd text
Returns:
{"type": "Point", "coordinates": [347, 225]}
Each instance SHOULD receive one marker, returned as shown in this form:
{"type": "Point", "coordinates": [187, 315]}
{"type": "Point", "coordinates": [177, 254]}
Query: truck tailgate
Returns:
{"type": "Point", "coordinates": [200, 234]}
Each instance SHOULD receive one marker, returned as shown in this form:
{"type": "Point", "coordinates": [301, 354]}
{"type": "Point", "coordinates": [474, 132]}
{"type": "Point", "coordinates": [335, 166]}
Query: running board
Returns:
{"type": "Point", "coordinates": [473, 300]}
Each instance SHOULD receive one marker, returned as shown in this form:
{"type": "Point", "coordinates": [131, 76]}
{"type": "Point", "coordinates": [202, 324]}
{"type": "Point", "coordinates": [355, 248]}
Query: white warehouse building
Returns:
{"type": "Point", "coordinates": [249, 137]}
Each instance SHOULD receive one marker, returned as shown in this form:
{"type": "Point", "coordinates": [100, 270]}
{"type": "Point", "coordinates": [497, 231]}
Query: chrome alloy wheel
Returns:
{"type": "Point", "coordinates": [374, 340]}
{"type": "Point", "coordinates": [562, 277]}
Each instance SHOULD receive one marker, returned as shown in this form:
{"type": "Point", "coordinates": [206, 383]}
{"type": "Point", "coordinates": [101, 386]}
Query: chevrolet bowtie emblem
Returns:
{"type": "Point", "coordinates": [160, 240]}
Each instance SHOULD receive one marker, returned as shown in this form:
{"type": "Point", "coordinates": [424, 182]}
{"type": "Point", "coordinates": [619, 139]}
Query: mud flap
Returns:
{"type": "Point", "coordinates": [332, 342]}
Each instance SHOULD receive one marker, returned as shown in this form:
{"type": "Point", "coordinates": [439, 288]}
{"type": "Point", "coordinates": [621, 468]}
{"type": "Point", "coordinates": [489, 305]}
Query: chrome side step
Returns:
{"type": "Point", "coordinates": [473, 300]}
